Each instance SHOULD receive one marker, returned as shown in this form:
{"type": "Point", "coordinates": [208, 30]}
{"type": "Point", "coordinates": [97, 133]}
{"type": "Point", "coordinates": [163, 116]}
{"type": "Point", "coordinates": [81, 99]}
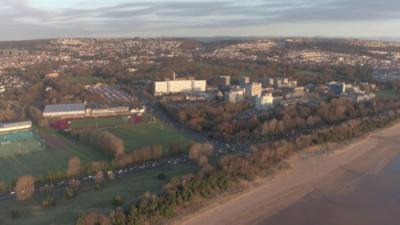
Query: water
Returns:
{"type": "Point", "coordinates": [348, 196]}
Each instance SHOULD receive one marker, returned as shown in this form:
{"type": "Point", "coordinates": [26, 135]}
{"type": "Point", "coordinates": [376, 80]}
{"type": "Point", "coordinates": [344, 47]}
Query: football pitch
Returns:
{"type": "Point", "coordinates": [135, 136]}
{"type": "Point", "coordinates": [147, 134]}
{"type": "Point", "coordinates": [99, 122]}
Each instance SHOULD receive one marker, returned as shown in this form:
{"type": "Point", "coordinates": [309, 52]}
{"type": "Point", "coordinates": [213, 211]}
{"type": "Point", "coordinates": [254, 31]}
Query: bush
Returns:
{"type": "Point", "coordinates": [3, 187]}
{"type": "Point", "coordinates": [70, 192]}
{"type": "Point", "coordinates": [162, 176]}
{"type": "Point", "coordinates": [118, 201]}
{"type": "Point", "coordinates": [48, 202]}
{"type": "Point", "coordinates": [15, 214]}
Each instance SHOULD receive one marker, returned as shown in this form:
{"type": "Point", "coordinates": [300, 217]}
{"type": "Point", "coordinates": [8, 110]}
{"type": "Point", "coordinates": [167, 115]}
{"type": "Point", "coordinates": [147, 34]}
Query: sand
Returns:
{"type": "Point", "coordinates": [309, 170]}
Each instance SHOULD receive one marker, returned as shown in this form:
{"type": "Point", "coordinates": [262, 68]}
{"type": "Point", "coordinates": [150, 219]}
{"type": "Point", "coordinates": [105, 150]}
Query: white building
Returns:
{"type": "Point", "coordinates": [179, 86]}
{"type": "Point", "coordinates": [253, 89]}
{"type": "Point", "coordinates": [14, 126]}
{"type": "Point", "coordinates": [264, 102]}
{"type": "Point", "coordinates": [363, 97]}
{"type": "Point", "coordinates": [52, 75]}
{"type": "Point", "coordinates": [138, 110]}
{"type": "Point", "coordinates": [107, 111]}
{"type": "Point", "coordinates": [235, 95]}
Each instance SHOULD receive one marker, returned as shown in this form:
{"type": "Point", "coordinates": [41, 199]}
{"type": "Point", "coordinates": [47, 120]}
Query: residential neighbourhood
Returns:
{"type": "Point", "coordinates": [124, 107]}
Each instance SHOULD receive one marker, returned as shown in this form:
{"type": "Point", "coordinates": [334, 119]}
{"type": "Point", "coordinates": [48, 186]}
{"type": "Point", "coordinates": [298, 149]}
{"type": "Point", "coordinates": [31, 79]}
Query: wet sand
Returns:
{"type": "Point", "coordinates": [355, 185]}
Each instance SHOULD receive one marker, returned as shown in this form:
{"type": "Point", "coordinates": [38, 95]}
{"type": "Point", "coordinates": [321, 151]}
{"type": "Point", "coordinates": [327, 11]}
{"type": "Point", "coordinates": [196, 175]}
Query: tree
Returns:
{"type": "Point", "coordinates": [94, 219]}
{"type": "Point", "coordinates": [3, 187]}
{"type": "Point", "coordinates": [99, 178]}
{"type": "Point", "coordinates": [74, 166]}
{"type": "Point", "coordinates": [200, 152]}
{"type": "Point", "coordinates": [25, 187]}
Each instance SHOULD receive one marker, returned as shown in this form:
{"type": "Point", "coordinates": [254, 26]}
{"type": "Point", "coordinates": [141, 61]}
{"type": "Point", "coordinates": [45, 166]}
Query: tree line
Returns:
{"type": "Point", "coordinates": [185, 192]}
{"type": "Point", "coordinates": [222, 121]}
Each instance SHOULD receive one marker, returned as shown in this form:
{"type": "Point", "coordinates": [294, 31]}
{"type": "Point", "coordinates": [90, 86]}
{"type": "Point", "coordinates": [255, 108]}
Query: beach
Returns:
{"type": "Point", "coordinates": [316, 178]}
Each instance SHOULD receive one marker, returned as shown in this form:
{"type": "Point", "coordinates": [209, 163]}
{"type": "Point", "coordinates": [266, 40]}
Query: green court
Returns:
{"type": "Point", "coordinates": [39, 162]}
{"type": "Point", "coordinates": [19, 143]}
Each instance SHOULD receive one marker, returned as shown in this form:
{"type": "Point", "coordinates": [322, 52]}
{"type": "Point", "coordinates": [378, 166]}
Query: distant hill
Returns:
{"type": "Point", "coordinates": [23, 44]}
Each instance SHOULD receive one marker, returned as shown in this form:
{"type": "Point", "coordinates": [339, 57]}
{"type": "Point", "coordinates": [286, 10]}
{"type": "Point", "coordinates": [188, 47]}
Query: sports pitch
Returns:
{"type": "Point", "coordinates": [99, 122]}
{"type": "Point", "coordinates": [60, 148]}
{"type": "Point", "coordinates": [41, 162]}
{"type": "Point", "coordinates": [147, 134]}
{"type": "Point", "coordinates": [135, 136]}
{"type": "Point", "coordinates": [19, 143]}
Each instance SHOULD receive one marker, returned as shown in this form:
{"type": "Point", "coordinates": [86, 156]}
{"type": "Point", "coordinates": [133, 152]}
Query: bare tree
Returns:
{"type": "Point", "coordinates": [99, 177]}
{"type": "Point", "coordinates": [74, 166]}
{"type": "Point", "coordinates": [200, 152]}
{"type": "Point", "coordinates": [94, 219]}
{"type": "Point", "coordinates": [25, 187]}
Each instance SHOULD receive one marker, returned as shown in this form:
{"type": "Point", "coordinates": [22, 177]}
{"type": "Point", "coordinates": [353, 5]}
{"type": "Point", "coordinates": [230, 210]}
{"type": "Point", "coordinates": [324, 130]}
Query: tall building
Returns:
{"type": "Point", "coordinates": [253, 89]}
{"type": "Point", "coordinates": [235, 95]}
{"type": "Point", "coordinates": [264, 102]}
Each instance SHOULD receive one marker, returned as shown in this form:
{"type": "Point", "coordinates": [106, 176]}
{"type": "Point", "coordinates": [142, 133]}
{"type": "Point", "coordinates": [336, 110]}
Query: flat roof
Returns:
{"type": "Point", "coordinates": [73, 107]}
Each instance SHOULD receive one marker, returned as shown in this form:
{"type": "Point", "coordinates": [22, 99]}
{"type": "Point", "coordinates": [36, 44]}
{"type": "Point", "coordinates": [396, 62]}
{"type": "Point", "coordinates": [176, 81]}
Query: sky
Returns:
{"type": "Point", "coordinates": [34, 19]}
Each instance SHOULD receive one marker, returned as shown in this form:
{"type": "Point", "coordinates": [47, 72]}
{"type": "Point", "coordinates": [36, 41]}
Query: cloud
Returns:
{"type": "Point", "coordinates": [22, 18]}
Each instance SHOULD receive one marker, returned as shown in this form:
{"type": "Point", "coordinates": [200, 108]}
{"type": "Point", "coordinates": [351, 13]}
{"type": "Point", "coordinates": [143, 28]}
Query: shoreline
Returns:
{"type": "Point", "coordinates": [267, 196]}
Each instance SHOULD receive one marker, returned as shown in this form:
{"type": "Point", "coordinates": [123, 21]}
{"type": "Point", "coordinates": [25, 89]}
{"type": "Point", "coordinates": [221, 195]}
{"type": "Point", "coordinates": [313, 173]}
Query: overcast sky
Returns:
{"type": "Point", "coordinates": [31, 19]}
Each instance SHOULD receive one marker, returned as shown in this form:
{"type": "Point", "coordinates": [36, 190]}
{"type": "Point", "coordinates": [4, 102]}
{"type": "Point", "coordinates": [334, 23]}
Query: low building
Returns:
{"type": "Point", "coordinates": [221, 81]}
{"type": "Point", "coordinates": [337, 88]}
{"type": "Point", "coordinates": [269, 82]}
{"type": "Point", "coordinates": [108, 111]}
{"type": "Point", "coordinates": [65, 110]}
{"type": "Point", "coordinates": [285, 82]}
{"type": "Point", "coordinates": [264, 101]}
{"type": "Point", "coordinates": [290, 93]}
{"type": "Point", "coordinates": [363, 97]}
{"type": "Point", "coordinates": [244, 80]}
{"type": "Point", "coordinates": [138, 110]}
{"type": "Point", "coordinates": [52, 75]}
{"type": "Point", "coordinates": [132, 70]}
{"type": "Point", "coordinates": [15, 126]}
{"type": "Point", "coordinates": [235, 95]}
{"type": "Point", "coordinates": [253, 89]}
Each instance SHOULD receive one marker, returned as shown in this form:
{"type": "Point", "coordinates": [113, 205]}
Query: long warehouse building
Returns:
{"type": "Point", "coordinates": [15, 126]}
{"type": "Point", "coordinates": [60, 110]}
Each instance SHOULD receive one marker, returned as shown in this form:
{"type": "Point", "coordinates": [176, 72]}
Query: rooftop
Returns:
{"type": "Point", "coordinates": [73, 107]}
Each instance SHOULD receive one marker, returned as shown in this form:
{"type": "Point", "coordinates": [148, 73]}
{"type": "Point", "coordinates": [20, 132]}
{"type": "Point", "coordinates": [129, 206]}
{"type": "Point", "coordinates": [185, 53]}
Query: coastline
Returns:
{"type": "Point", "coordinates": [267, 196]}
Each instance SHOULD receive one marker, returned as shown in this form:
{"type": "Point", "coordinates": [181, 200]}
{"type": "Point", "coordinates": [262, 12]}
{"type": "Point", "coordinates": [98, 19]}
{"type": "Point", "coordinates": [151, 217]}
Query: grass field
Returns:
{"type": "Point", "coordinates": [135, 136]}
{"type": "Point", "coordinates": [19, 143]}
{"type": "Point", "coordinates": [99, 122]}
{"type": "Point", "coordinates": [388, 93]}
{"type": "Point", "coordinates": [60, 150]}
{"type": "Point", "coordinates": [146, 134]}
{"type": "Point", "coordinates": [20, 147]}
{"type": "Point", "coordinates": [86, 79]}
{"type": "Point", "coordinates": [66, 211]}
